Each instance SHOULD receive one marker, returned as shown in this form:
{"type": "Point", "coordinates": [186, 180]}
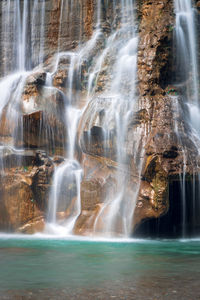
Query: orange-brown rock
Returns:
{"type": "Point", "coordinates": [17, 202]}
{"type": "Point", "coordinates": [33, 226]}
{"type": "Point", "coordinates": [75, 27]}
{"type": "Point", "coordinates": [156, 32]}
{"type": "Point", "coordinates": [153, 196]}
{"type": "Point", "coordinates": [165, 149]}
{"type": "Point", "coordinates": [24, 186]}
{"type": "Point", "coordinates": [98, 186]}
{"type": "Point", "coordinates": [88, 23]}
{"type": "Point", "coordinates": [94, 188]}
{"type": "Point", "coordinates": [151, 130]}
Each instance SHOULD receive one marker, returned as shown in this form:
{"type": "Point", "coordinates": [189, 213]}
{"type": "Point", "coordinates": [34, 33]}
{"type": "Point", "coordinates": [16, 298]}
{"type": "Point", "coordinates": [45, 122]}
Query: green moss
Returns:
{"type": "Point", "coordinates": [172, 92]}
{"type": "Point", "coordinates": [25, 169]}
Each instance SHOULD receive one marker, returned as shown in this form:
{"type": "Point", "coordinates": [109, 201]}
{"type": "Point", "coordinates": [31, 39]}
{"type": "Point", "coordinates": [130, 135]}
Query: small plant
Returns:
{"type": "Point", "coordinates": [172, 92]}
{"type": "Point", "coordinates": [170, 28]}
{"type": "Point", "coordinates": [25, 169]}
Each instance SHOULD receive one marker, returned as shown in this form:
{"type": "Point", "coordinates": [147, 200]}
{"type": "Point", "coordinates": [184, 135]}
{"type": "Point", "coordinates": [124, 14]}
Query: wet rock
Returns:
{"type": "Point", "coordinates": [88, 22]}
{"type": "Point", "coordinates": [37, 79]}
{"type": "Point", "coordinates": [155, 44]}
{"type": "Point", "coordinates": [24, 186]}
{"type": "Point", "coordinates": [151, 137]}
{"type": "Point", "coordinates": [98, 178]}
{"type": "Point", "coordinates": [44, 119]}
{"type": "Point", "coordinates": [11, 158]}
{"type": "Point", "coordinates": [17, 201]}
{"type": "Point", "coordinates": [41, 179]}
{"type": "Point", "coordinates": [60, 78]}
{"type": "Point", "coordinates": [198, 4]}
{"type": "Point", "coordinates": [165, 150]}
{"type": "Point", "coordinates": [58, 159]}
{"type": "Point", "coordinates": [33, 226]}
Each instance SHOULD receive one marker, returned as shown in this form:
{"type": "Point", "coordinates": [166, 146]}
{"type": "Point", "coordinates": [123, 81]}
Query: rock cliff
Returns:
{"type": "Point", "coordinates": [158, 126]}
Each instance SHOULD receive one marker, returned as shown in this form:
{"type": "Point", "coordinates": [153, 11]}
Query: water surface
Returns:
{"type": "Point", "coordinates": [38, 268]}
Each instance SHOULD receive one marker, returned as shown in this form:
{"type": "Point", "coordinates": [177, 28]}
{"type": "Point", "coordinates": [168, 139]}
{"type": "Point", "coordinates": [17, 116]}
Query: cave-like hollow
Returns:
{"type": "Point", "coordinates": [182, 219]}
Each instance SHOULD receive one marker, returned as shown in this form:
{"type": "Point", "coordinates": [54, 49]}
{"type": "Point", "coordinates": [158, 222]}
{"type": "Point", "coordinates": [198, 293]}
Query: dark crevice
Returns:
{"type": "Point", "coordinates": [172, 225]}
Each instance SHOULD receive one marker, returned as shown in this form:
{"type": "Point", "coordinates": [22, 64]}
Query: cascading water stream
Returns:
{"type": "Point", "coordinates": [187, 61]}
{"type": "Point", "coordinates": [38, 41]}
{"type": "Point", "coordinates": [122, 103]}
{"type": "Point", "coordinates": [19, 58]}
{"type": "Point", "coordinates": [188, 82]}
{"type": "Point", "coordinates": [66, 183]}
{"type": "Point", "coordinates": [123, 99]}
{"type": "Point", "coordinates": [19, 33]}
{"type": "Point", "coordinates": [122, 45]}
{"type": "Point", "coordinates": [187, 45]}
{"type": "Point", "coordinates": [70, 172]}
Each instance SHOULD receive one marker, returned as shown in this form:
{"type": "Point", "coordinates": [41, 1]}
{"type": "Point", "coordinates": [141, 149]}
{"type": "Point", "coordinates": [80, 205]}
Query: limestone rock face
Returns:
{"type": "Point", "coordinates": [166, 148]}
{"type": "Point", "coordinates": [151, 136]}
{"type": "Point", "coordinates": [156, 29]}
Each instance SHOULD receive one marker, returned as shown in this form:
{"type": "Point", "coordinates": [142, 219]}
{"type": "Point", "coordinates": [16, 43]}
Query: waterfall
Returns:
{"type": "Point", "coordinates": [66, 183]}
{"type": "Point", "coordinates": [98, 93]}
{"type": "Point", "coordinates": [23, 24]}
{"type": "Point", "coordinates": [187, 81]}
{"type": "Point", "coordinates": [187, 59]}
{"type": "Point", "coordinates": [120, 97]}
{"type": "Point", "coordinates": [187, 47]}
{"type": "Point", "coordinates": [38, 40]}
{"type": "Point", "coordinates": [69, 174]}
{"type": "Point", "coordinates": [18, 60]}
{"type": "Point", "coordinates": [69, 89]}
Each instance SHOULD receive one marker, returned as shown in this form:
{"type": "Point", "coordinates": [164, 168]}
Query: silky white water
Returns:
{"type": "Point", "coordinates": [120, 95]}
{"type": "Point", "coordinates": [23, 34]}
{"type": "Point", "coordinates": [100, 91]}
{"type": "Point", "coordinates": [122, 98]}
{"type": "Point", "coordinates": [99, 96]}
{"type": "Point", "coordinates": [187, 45]}
{"type": "Point", "coordinates": [188, 83]}
{"type": "Point", "coordinates": [20, 43]}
